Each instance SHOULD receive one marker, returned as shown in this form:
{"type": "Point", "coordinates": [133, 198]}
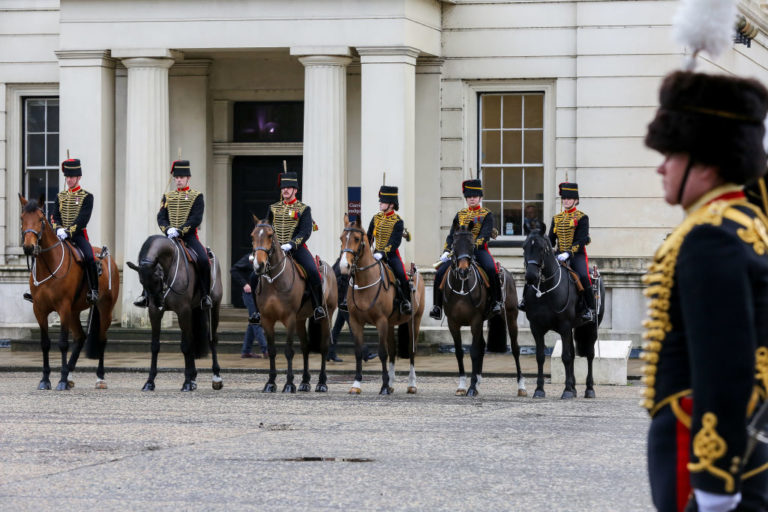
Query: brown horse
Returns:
{"type": "Point", "coordinates": [370, 301]}
{"type": "Point", "coordinates": [57, 283]}
{"type": "Point", "coordinates": [280, 298]}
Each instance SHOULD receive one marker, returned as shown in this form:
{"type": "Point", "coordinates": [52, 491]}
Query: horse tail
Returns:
{"type": "Point", "coordinates": [94, 346]}
{"type": "Point", "coordinates": [403, 341]}
{"type": "Point", "coordinates": [585, 337]}
{"type": "Point", "coordinates": [497, 334]}
{"type": "Point", "coordinates": [200, 329]}
{"type": "Point", "coordinates": [314, 335]}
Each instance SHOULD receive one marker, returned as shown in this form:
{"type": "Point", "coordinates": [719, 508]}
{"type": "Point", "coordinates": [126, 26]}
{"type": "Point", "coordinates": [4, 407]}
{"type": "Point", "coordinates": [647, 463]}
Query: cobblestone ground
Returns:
{"type": "Point", "coordinates": [238, 449]}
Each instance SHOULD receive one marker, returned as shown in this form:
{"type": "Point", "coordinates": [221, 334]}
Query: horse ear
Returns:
{"type": "Point", "coordinates": [132, 265]}
{"type": "Point", "coordinates": [41, 201]}
{"type": "Point", "coordinates": [357, 221]}
{"type": "Point", "coordinates": [23, 200]}
{"type": "Point", "coordinates": [346, 219]}
{"type": "Point", "coordinates": [255, 218]}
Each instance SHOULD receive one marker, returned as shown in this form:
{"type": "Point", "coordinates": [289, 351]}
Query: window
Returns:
{"type": "Point", "coordinates": [41, 149]}
{"type": "Point", "coordinates": [275, 121]}
{"type": "Point", "coordinates": [512, 158]}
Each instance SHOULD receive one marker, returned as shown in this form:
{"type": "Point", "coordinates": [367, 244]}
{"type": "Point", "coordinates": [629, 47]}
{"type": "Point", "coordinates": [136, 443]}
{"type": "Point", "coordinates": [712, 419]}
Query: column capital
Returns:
{"type": "Point", "coordinates": [388, 54]}
{"type": "Point", "coordinates": [147, 62]}
{"type": "Point", "coordinates": [301, 51]}
{"type": "Point", "coordinates": [324, 60]}
{"type": "Point", "coordinates": [193, 67]}
{"type": "Point", "coordinates": [429, 65]}
{"type": "Point", "coordinates": [85, 58]}
{"type": "Point", "coordinates": [158, 53]}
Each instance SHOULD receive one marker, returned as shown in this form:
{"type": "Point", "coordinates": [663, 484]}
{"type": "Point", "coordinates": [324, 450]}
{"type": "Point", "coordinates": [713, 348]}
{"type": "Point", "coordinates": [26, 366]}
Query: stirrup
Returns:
{"type": "Point", "coordinates": [255, 319]}
{"type": "Point", "coordinates": [319, 313]}
{"type": "Point", "coordinates": [343, 307]}
{"type": "Point", "coordinates": [205, 302]}
{"type": "Point", "coordinates": [141, 302]}
{"type": "Point", "coordinates": [588, 316]}
{"type": "Point", "coordinates": [436, 312]}
{"type": "Point", "coordinates": [405, 308]}
{"type": "Point", "coordinates": [497, 308]}
{"type": "Point", "coordinates": [92, 297]}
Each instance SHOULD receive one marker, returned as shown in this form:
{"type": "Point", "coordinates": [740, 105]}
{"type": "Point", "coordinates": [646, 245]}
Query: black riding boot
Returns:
{"type": "Point", "coordinates": [521, 305]}
{"type": "Point", "coordinates": [405, 295]}
{"type": "Point", "coordinates": [497, 307]}
{"type": "Point", "coordinates": [437, 300]}
{"type": "Point", "coordinates": [589, 314]}
{"type": "Point", "coordinates": [92, 274]}
{"type": "Point", "coordinates": [205, 290]}
{"type": "Point", "coordinates": [142, 301]}
{"type": "Point", "coordinates": [317, 302]}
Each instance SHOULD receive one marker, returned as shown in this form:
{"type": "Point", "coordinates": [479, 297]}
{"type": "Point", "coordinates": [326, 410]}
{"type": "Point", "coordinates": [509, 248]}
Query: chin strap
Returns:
{"type": "Point", "coordinates": [685, 180]}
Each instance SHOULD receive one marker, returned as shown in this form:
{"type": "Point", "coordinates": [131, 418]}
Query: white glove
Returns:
{"type": "Point", "coordinates": [172, 232]}
{"type": "Point", "coordinates": [710, 502]}
{"type": "Point", "coordinates": [61, 233]}
{"type": "Point", "coordinates": [377, 256]}
{"type": "Point", "coordinates": [286, 247]}
{"type": "Point", "coordinates": [563, 256]}
{"type": "Point", "coordinates": [445, 256]}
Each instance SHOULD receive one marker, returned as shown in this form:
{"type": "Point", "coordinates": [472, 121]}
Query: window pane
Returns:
{"type": "Point", "coordinates": [36, 185]}
{"type": "Point", "coordinates": [513, 111]}
{"type": "Point", "coordinates": [534, 183]}
{"type": "Point", "coordinates": [532, 216]}
{"type": "Point", "coordinates": [52, 150]}
{"type": "Point", "coordinates": [491, 111]}
{"type": "Point", "coordinates": [278, 121]}
{"type": "Point", "coordinates": [513, 184]}
{"type": "Point", "coordinates": [491, 183]}
{"type": "Point", "coordinates": [495, 208]}
{"type": "Point", "coordinates": [36, 150]}
{"type": "Point", "coordinates": [53, 187]}
{"type": "Point", "coordinates": [513, 218]}
{"type": "Point", "coordinates": [534, 111]}
{"type": "Point", "coordinates": [491, 147]}
{"type": "Point", "coordinates": [534, 151]}
{"type": "Point", "coordinates": [513, 147]}
{"type": "Point", "coordinates": [35, 116]}
{"type": "Point", "coordinates": [53, 116]}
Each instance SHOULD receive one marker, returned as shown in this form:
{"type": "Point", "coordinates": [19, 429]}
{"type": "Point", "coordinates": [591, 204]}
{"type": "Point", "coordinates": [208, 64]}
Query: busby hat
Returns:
{"type": "Point", "coordinates": [388, 194]}
{"type": "Point", "coordinates": [569, 190]}
{"type": "Point", "coordinates": [472, 188]}
{"type": "Point", "coordinates": [288, 180]}
{"type": "Point", "coordinates": [180, 168]}
{"type": "Point", "coordinates": [716, 119]}
{"type": "Point", "coordinates": [71, 167]}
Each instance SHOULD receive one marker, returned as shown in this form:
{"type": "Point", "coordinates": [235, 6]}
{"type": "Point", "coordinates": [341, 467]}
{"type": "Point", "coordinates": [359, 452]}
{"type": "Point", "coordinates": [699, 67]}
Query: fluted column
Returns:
{"type": "Point", "coordinates": [387, 130]}
{"type": "Point", "coordinates": [324, 185]}
{"type": "Point", "coordinates": [147, 166]}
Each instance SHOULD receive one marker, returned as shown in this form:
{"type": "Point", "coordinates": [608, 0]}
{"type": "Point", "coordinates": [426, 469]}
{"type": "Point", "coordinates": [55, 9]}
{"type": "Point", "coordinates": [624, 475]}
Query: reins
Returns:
{"type": "Point", "coordinates": [268, 265]}
{"type": "Point", "coordinates": [544, 279]}
{"type": "Point", "coordinates": [354, 269]}
{"type": "Point", "coordinates": [41, 250]}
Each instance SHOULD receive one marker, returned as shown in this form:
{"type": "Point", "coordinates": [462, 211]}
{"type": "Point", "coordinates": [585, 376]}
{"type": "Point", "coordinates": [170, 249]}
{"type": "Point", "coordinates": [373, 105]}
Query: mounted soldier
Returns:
{"type": "Point", "coordinates": [482, 229]}
{"type": "Point", "coordinates": [293, 225]}
{"type": "Point", "coordinates": [71, 214]}
{"type": "Point", "coordinates": [180, 216]}
{"type": "Point", "coordinates": [387, 228]}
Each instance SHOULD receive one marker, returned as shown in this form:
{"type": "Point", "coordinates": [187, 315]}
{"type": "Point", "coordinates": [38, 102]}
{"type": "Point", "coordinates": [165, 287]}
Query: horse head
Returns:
{"type": "Point", "coordinates": [353, 241]}
{"type": "Point", "coordinates": [536, 250]}
{"type": "Point", "coordinates": [263, 241]}
{"type": "Point", "coordinates": [32, 224]}
{"type": "Point", "coordinates": [463, 248]}
{"type": "Point", "coordinates": [151, 277]}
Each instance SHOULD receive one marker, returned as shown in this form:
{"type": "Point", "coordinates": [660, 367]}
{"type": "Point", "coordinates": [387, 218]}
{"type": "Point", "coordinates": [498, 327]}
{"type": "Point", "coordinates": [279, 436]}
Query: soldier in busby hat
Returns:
{"type": "Point", "coordinates": [707, 335]}
{"type": "Point", "coordinates": [180, 215]}
{"type": "Point", "coordinates": [482, 229]}
{"type": "Point", "coordinates": [71, 214]}
{"type": "Point", "coordinates": [387, 228]}
{"type": "Point", "coordinates": [292, 222]}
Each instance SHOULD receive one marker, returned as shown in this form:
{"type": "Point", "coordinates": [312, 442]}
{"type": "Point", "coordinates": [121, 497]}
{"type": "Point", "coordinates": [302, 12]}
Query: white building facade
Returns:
{"type": "Point", "coordinates": [422, 93]}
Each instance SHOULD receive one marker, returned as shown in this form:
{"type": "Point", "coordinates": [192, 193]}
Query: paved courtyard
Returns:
{"type": "Point", "coordinates": [238, 449]}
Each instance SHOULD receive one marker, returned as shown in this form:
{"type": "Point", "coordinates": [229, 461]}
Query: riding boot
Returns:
{"type": "Point", "coordinates": [92, 274]}
{"type": "Point", "coordinates": [317, 302]}
{"type": "Point", "coordinates": [142, 301]}
{"type": "Point", "coordinates": [497, 307]}
{"type": "Point", "coordinates": [405, 296]}
{"type": "Point", "coordinates": [437, 300]}
{"type": "Point", "coordinates": [588, 315]}
{"type": "Point", "coordinates": [521, 305]}
{"type": "Point", "coordinates": [255, 318]}
{"type": "Point", "coordinates": [205, 290]}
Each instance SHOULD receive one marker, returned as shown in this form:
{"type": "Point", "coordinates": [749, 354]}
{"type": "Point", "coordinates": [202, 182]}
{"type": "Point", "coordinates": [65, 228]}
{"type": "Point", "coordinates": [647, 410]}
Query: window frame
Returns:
{"type": "Point", "coordinates": [472, 127]}
{"type": "Point", "coordinates": [25, 149]}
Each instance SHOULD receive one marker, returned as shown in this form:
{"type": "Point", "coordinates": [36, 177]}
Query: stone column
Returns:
{"type": "Point", "coordinates": [388, 130]}
{"type": "Point", "coordinates": [147, 166]}
{"type": "Point", "coordinates": [87, 130]}
{"type": "Point", "coordinates": [220, 239]}
{"type": "Point", "coordinates": [324, 182]}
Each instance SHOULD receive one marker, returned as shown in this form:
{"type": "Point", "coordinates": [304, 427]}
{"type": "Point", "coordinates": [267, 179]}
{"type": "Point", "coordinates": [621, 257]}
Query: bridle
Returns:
{"type": "Point", "coordinates": [543, 279]}
{"type": "Point", "coordinates": [38, 250]}
{"type": "Point", "coordinates": [356, 254]}
{"type": "Point", "coordinates": [270, 251]}
{"type": "Point", "coordinates": [455, 259]}
{"type": "Point", "coordinates": [168, 287]}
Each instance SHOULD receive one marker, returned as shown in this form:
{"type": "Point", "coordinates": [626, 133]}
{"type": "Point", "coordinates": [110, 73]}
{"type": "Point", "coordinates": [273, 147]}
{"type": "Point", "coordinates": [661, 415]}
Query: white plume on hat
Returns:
{"type": "Point", "coordinates": [704, 25]}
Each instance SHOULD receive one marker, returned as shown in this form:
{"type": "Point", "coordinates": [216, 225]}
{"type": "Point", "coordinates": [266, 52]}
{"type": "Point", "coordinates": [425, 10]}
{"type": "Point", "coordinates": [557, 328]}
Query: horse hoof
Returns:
{"type": "Point", "coordinates": [70, 384]}
{"type": "Point", "coordinates": [461, 392]}
{"type": "Point", "coordinates": [101, 384]}
{"type": "Point", "coordinates": [194, 385]}
{"type": "Point", "coordinates": [385, 390]}
{"type": "Point", "coordinates": [217, 384]}
{"type": "Point", "coordinates": [270, 387]}
{"type": "Point", "coordinates": [149, 386]}
{"type": "Point", "coordinates": [62, 386]}
{"type": "Point", "coordinates": [472, 392]}
{"type": "Point", "coordinates": [355, 391]}
{"type": "Point", "coordinates": [539, 393]}
{"type": "Point", "coordinates": [44, 385]}
{"type": "Point", "coordinates": [188, 386]}
{"type": "Point", "coordinates": [289, 388]}
{"type": "Point", "coordinates": [304, 387]}
{"type": "Point", "coordinates": [411, 390]}
{"type": "Point", "coordinates": [321, 388]}
{"type": "Point", "coordinates": [589, 393]}
{"type": "Point", "coordinates": [522, 392]}
{"type": "Point", "coordinates": [567, 395]}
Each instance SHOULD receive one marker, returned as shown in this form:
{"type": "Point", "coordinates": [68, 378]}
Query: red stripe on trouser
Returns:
{"type": "Point", "coordinates": [397, 252]}
{"type": "Point", "coordinates": [314, 260]}
{"type": "Point", "coordinates": [586, 259]}
{"type": "Point", "coordinates": [495, 266]}
{"type": "Point", "coordinates": [683, 447]}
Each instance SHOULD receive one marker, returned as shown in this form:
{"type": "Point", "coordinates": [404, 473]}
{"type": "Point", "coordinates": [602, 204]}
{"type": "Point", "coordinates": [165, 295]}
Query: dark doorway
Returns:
{"type": "Point", "coordinates": [254, 188]}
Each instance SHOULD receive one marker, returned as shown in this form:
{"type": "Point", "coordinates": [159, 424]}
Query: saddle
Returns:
{"type": "Point", "coordinates": [574, 276]}
{"type": "Point", "coordinates": [302, 271]}
{"type": "Point", "coordinates": [79, 258]}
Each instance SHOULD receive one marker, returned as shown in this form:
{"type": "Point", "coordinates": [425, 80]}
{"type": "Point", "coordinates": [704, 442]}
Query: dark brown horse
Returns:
{"type": "Point", "coordinates": [465, 299]}
{"type": "Point", "coordinates": [170, 282]}
{"type": "Point", "coordinates": [280, 298]}
{"type": "Point", "coordinates": [370, 301]}
{"type": "Point", "coordinates": [57, 283]}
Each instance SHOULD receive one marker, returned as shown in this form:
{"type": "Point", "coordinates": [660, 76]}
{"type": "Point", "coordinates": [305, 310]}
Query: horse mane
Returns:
{"type": "Point", "coordinates": [146, 246]}
{"type": "Point", "coordinates": [31, 206]}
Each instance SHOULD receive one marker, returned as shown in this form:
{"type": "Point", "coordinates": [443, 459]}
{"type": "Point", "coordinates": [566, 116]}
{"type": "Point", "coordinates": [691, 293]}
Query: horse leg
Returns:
{"type": "Point", "coordinates": [105, 314]}
{"type": "Point", "coordinates": [190, 373]}
{"type": "Point", "coordinates": [155, 318]}
{"type": "Point", "coordinates": [455, 329]}
{"type": "Point", "coordinates": [63, 348]}
{"type": "Point", "coordinates": [289, 387]}
{"type": "Point", "coordinates": [79, 336]}
{"type": "Point", "coordinates": [512, 328]}
{"type": "Point", "coordinates": [392, 352]}
{"type": "Point", "coordinates": [269, 331]}
{"type": "Point", "coordinates": [45, 346]}
{"type": "Point", "coordinates": [538, 335]}
{"type": "Point", "coordinates": [305, 377]}
{"type": "Point", "coordinates": [383, 330]}
{"type": "Point", "coordinates": [476, 352]}
{"type": "Point", "coordinates": [322, 381]}
{"type": "Point", "coordinates": [356, 328]}
{"type": "Point", "coordinates": [216, 381]}
{"type": "Point", "coordinates": [568, 358]}
{"type": "Point", "coordinates": [412, 353]}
